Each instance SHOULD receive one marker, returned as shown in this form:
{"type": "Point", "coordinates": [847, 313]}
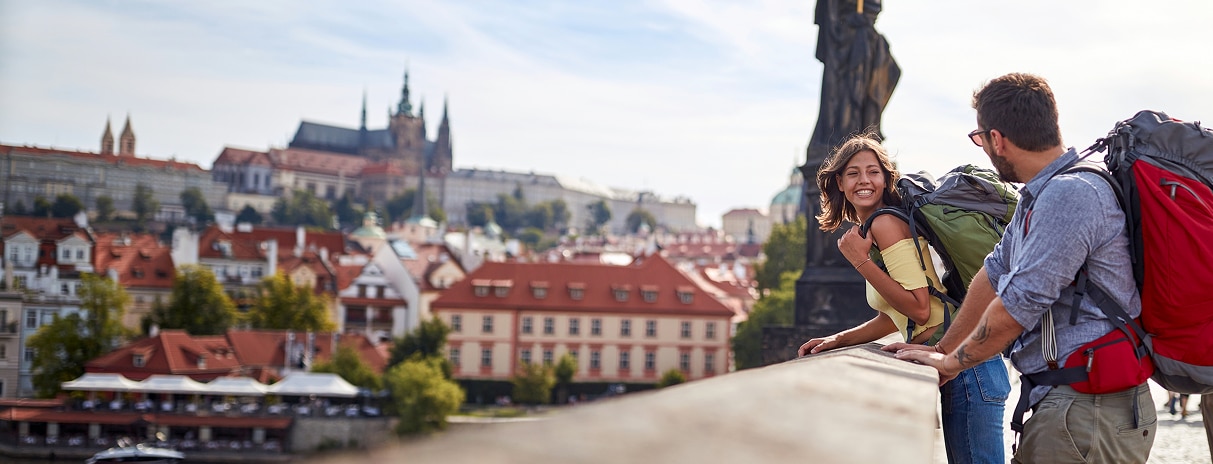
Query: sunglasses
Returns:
{"type": "Point", "coordinates": [975, 136]}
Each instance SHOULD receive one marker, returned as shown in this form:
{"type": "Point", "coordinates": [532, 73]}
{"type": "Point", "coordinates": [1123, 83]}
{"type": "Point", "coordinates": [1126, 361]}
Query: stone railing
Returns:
{"type": "Point", "coordinates": [853, 405]}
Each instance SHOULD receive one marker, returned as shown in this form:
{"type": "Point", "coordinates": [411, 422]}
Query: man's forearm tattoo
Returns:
{"type": "Point", "coordinates": [981, 334]}
{"type": "Point", "coordinates": [965, 359]}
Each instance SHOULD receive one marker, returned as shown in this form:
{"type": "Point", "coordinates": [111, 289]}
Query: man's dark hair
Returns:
{"type": "Point", "coordinates": [1021, 107]}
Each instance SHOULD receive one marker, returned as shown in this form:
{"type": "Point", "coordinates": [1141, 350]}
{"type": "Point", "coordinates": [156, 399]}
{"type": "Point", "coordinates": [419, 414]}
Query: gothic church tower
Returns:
{"type": "Point", "coordinates": [126, 141]}
{"type": "Point", "coordinates": [107, 139]}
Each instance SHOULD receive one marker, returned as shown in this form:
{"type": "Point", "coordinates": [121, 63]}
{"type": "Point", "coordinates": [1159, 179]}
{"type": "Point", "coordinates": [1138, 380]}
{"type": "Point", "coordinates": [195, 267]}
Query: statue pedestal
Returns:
{"type": "Point", "coordinates": [828, 300]}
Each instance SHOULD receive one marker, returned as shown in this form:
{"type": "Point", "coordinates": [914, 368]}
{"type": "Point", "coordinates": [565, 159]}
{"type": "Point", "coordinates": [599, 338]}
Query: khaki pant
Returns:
{"type": "Point", "coordinates": [1067, 426]}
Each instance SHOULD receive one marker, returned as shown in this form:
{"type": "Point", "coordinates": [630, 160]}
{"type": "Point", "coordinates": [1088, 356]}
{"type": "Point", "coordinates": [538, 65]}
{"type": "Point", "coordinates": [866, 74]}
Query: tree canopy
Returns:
{"type": "Point", "coordinates": [302, 208]}
{"type": "Point", "coordinates": [533, 383]}
{"type": "Point", "coordinates": [671, 377]}
{"type": "Point", "coordinates": [422, 395]}
{"type": "Point", "coordinates": [600, 214]}
{"type": "Point", "coordinates": [347, 364]}
{"type": "Point", "coordinates": [250, 215]}
{"type": "Point", "coordinates": [283, 305]}
{"type": "Point", "coordinates": [784, 250]}
{"type": "Point", "coordinates": [66, 205]}
{"type": "Point", "coordinates": [198, 304]}
{"type": "Point", "coordinates": [145, 205]}
{"type": "Point", "coordinates": [105, 208]}
{"type": "Point", "coordinates": [195, 206]}
{"type": "Point", "coordinates": [776, 307]}
{"type": "Point", "coordinates": [428, 340]}
{"type": "Point", "coordinates": [62, 347]}
{"type": "Point", "coordinates": [640, 216]}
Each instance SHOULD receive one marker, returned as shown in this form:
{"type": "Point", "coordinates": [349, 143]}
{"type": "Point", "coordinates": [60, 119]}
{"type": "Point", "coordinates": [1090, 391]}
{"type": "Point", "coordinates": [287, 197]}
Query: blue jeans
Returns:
{"type": "Point", "coordinates": [972, 405]}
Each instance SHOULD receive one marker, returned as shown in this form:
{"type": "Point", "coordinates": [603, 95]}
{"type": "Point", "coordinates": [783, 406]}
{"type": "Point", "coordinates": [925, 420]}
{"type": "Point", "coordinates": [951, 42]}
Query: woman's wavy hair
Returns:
{"type": "Point", "coordinates": [834, 206]}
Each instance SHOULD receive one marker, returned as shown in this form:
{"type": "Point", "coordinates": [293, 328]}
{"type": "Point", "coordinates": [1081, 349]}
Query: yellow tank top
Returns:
{"type": "Point", "coordinates": [901, 260]}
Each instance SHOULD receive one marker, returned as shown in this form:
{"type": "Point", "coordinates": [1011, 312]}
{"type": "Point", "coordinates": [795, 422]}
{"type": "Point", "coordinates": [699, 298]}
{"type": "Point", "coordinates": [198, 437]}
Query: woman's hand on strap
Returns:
{"type": "Point", "coordinates": [855, 247]}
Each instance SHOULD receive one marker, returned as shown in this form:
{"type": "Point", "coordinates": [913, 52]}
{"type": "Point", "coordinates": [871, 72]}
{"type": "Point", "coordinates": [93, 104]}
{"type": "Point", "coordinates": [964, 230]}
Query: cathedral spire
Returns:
{"type": "Point", "coordinates": [126, 141]}
{"type": "Point", "coordinates": [405, 107]}
{"type": "Point", "coordinates": [107, 139]}
{"type": "Point", "coordinates": [363, 126]}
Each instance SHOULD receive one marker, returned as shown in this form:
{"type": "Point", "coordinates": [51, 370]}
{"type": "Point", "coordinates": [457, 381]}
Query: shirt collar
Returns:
{"type": "Point", "coordinates": [1033, 187]}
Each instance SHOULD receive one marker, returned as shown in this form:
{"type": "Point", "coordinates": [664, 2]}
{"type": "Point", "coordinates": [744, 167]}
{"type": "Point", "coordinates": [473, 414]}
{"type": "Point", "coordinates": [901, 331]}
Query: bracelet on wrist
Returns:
{"type": "Point", "coordinates": [940, 349]}
{"type": "Point", "coordinates": [866, 261]}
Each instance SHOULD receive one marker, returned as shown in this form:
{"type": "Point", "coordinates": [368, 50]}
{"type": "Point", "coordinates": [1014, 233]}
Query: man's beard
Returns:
{"type": "Point", "coordinates": [1006, 172]}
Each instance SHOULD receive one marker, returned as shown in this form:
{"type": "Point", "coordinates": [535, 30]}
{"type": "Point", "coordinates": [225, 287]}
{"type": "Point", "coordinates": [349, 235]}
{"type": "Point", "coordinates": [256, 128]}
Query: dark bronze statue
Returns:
{"type": "Point", "coordinates": [856, 84]}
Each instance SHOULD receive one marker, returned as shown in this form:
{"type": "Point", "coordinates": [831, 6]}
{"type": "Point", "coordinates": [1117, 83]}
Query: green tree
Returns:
{"type": "Point", "coordinates": [775, 308]}
{"type": "Point", "coordinates": [564, 370]}
{"type": "Point", "coordinates": [400, 207]}
{"type": "Point", "coordinates": [531, 237]}
{"type": "Point", "coordinates": [785, 251]}
{"type": "Point", "coordinates": [302, 208]}
{"type": "Point", "coordinates": [197, 304]}
{"type": "Point", "coordinates": [62, 347]}
{"type": "Point", "coordinates": [145, 205]}
{"type": "Point", "coordinates": [600, 214]}
{"type": "Point", "coordinates": [348, 214]}
{"type": "Point", "coordinates": [640, 216]}
{"type": "Point", "coordinates": [250, 215]}
{"type": "Point", "coordinates": [422, 395]}
{"type": "Point", "coordinates": [351, 367]}
{"type": "Point", "coordinates": [671, 377]}
{"type": "Point", "coordinates": [18, 209]}
{"type": "Point", "coordinates": [282, 305]}
{"type": "Point", "coordinates": [195, 206]}
{"type": "Point", "coordinates": [427, 340]}
{"type": "Point", "coordinates": [105, 208]}
{"type": "Point", "coordinates": [66, 205]}
{"type": "Point", "coordinates": [510, 210]}
{"type": "Point", "coordinates": [560, 214]}
{"type": "Point", "coordinates": [42, 207]}
{"type": "Point", "coordinates": [533, 383]}
{"type": "Point", "coordinates": [480, 214]}
{"type": "Point", "coordinates": [540, 217]}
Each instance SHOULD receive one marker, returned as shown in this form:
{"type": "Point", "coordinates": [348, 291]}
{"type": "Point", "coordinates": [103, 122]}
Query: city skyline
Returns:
{"type": "Point", "coordinates": [699, 99]}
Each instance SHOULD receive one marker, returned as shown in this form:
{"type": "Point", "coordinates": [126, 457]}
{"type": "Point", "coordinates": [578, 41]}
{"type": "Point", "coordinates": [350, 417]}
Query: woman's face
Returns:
{"type": "Point", "coordinates": [863, 182]}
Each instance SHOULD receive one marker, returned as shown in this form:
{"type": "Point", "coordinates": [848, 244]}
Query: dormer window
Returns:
{"type": "Point", "coordinates": [480, 287]}
{"type": "Point", "coordinates": [137, 360]}
{"type": "Point", "coordinates": [685, 295]}
{"type": "Point", "coordinates": [539, 290]}
{"type": "Point", "coordinates": [649, 293]}
{"type": "Point", "coordinates": [621, 292]}
{"type": "Point", "coordinates": [501, 288]}
{"type": "Point", "coordinates": [576, 290]}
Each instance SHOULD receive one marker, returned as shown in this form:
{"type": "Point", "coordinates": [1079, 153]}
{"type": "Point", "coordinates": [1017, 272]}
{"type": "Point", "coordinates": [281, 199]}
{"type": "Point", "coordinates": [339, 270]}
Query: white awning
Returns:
{"type": "Point", "coordinates": [235, 386]}
{"type": "Point", "coordinates": [303, 384]}
{"type": "Point", "coordinates": [102, 382]}
{"type": "Point", "coordinates": [171, 384]}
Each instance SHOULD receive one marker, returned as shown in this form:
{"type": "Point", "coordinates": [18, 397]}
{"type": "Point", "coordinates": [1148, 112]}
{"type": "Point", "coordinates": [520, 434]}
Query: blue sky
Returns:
{"type": "Point", "coordinates": [705, 99]}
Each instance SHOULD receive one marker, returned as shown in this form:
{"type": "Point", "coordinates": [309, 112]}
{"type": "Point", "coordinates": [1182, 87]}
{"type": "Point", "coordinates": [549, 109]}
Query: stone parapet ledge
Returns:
{"type": "Point", "coordinates": [852, 405]}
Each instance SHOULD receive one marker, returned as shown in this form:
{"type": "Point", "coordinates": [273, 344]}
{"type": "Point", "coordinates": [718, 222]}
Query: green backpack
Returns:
{"type": "Point", "coordinates": [962, 215]}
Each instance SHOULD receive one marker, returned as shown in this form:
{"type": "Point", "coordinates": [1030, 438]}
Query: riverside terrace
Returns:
{"type": "Point", "coordinates": [225, 419]}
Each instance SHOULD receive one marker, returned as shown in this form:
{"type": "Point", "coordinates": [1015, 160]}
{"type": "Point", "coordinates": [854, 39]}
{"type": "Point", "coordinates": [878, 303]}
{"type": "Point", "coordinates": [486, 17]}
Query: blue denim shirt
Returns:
{"type": "Point", "coordinates": [1075, 220]}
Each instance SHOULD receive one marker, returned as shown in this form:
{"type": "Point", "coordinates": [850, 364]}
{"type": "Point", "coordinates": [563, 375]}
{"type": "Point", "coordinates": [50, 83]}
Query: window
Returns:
{"type": "Point", "coordinates": [621, 294]}
{"type": "Point", "coordinates": [649, 295]}
{"type": "Point", "coordinates": [595, 359]}
{"type": "Point", "coordinates": [29, 355]}
{"type": "Point", "coordinates": [684, 361]}
{"type": "Point", "coordinates": [709, 330]}
{"type": "Point", "coordinates": [650, 328]}
{"type": "Point", "coordinates": [685, 297]}
{"type": "Point", "coordinates": [31, 319]}
{"type": "Point", "coordinates": [379, 291]}
{"type": "Point", "coordinates": [540, 292]}
{"type": "Point", "coordinates": [3, 351]}
{"type": "Point", "coordinates": [63, 289]}
{"type": "Point", "coordinates": [686, 329]}
{"type": "Point", "coordinates": [486, 357]}
{"type": "Point", "coordinates": [501, 291]}
{"type": "Point", "coordinates": [525, 356]}
{"type": "Point", "coordinates": [454, 355]}
{"type": "Point", "coordinates": [456, 323]}
{"type": "Point", "coordinates": [547, 357]}
{"type": "Point", "coordinates": [576, 290]}
{"type": "Point", "coordinates": [624, 360]}
{"type": "Point", "coordinates": [67, 254]}
{"type": "Point", "coordinates": [549, 326]}
{"type": "Point", "coordinates": [361, 291]}
{"type": "Point", "coordinates": [79, 254]}
{"type": "Point", "coordinates": [480, 290]}
{"type": "Point", "coordinates": [709, 362]}
{"type": "Point", "coordinates": [575, 354]}
{"type": "Point", "coordinates": [574, 326]}
{"type": "Point", "coordinates": [526, 325]}
{"type": "Point", "coordinates": [625, 328]}
{"type": "Point", "coordinates": [595, 326]}
{"type": "Point", "coordinates": [486, 324]}
{"type": "Point", "coordinates": [650, 361]}
{"type": "Point", "coordinates": [137, 360]}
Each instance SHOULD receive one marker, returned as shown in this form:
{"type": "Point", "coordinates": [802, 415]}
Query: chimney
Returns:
{"type": "Point", "coordinates": [300, 240]}
{"type": "Point", "coordinates": [271, 256]}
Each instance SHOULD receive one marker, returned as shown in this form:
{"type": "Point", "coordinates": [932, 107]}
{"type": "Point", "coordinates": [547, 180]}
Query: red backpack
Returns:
{"type": "Point", "coordinates": [1164, 168]}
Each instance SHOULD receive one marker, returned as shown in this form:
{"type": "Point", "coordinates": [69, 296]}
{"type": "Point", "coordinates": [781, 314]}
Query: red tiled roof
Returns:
{"type": "Point", "coordinates": [139, 259]}
{"type": "Point", "coordinates": [170, 352]}
{"type": "Point", "coordinates": [248, 245]}
{"type": "Point", "coordinates": [47, 231]}
{"type": "Point", "coordinates": [598, 281]}
{"type": "Point", "coordinates": [172, 165]}
{"type": "Point", "coordinates": [240, 156]}
{"type": "Point", "coordinates": [320, 162]}
{"type": "Point", "coordinates": [383, 168]}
